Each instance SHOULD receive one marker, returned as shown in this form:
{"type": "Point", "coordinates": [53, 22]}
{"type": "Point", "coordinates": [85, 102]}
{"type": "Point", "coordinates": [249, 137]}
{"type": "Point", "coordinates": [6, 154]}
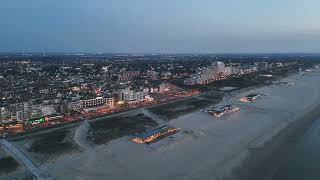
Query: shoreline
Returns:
{"type": "Point", "coordinates": [263, 163]}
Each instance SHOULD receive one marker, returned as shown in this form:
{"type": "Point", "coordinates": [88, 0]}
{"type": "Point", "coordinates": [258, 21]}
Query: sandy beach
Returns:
{"type": "Point", "coordinates": [206, 148]}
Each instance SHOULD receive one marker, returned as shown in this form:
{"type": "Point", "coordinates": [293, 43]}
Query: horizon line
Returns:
{"type": "Point", "coordinates": [159, 53]}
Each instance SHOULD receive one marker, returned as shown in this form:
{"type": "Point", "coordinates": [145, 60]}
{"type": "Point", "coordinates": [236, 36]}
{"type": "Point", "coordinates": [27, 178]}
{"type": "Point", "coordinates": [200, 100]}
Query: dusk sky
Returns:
{"type": "Point", "coordinates": [160, 26]}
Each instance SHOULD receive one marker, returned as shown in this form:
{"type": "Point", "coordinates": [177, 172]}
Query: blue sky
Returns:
{"type": "Point", "coordinates": [164, 26]}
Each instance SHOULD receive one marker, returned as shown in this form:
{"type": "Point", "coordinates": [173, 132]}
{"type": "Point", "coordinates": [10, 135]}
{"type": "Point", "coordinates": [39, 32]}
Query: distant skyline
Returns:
{"type": "Point", "coordinates": [160, 26]}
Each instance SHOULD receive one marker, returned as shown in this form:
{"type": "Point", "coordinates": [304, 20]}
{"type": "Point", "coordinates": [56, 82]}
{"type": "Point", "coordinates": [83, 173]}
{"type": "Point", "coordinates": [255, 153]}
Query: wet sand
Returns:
{"type": "Point", "coordinates": [263, 163]}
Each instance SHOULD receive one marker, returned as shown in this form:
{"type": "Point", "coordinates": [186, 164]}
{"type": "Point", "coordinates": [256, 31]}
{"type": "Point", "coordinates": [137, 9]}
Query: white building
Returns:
{"type": "Point", "coordinates": [126, 95]}
{"type": "Point", "coordinates": [74, 105]}
{"type": "Point", "coordinates": [206, 74]}
{"type": "Point", "coordinates": [98, 101]}
{"type": "Point", "coordinates": [47, 110]}
{"type": "Point", "coordinates": [5, 115]}
{"type": "Point", "coordinates": [138, 96]}
{"type": "Point", "coordinates": [190, 81]}
{"type": "Point", "coordinates": [163, 87]}
{"type": "Point", "coordinates": [228, 70]}
{"type": "Point", "coordinates": [152, 74]}
{"type": "Point", "coordinates": [20, 111]}
{"type": "Point", "coordinates": [235, 70]}
{"type": "Point", "coordinates": [221, 67]}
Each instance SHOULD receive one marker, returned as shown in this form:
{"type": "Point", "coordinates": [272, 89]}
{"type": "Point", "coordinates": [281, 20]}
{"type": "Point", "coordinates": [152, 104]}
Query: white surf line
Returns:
{"type": "Point", "coordinates": [156, 118]}
{"type": "Point", "coordinates": [80, 135]}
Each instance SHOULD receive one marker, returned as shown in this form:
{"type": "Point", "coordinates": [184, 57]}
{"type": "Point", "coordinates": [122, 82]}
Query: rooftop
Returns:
{"type": "Point", "coordinates": [157, 130]}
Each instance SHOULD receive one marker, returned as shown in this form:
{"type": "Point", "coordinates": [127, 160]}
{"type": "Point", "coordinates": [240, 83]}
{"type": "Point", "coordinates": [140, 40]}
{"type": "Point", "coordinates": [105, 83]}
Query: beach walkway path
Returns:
{"type": "Point", "coordinates": [38, 174]}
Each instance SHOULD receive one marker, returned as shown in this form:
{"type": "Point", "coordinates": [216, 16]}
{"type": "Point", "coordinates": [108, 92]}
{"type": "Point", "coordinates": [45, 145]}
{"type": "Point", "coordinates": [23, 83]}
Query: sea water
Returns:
{"type": "Point", "coordinates": [304, 158]}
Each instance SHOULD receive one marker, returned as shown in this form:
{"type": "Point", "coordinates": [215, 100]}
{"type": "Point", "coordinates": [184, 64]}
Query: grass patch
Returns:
{"type": "Point", "coordinates": [103, 131]}
{"type": "Point", "coordinates": [203, 88]}
{"type": "Point", "coordinates": [248, 80]}
{"type": "Point", "coordinates": [8, 164]}
{"type": "Point", "coordinates": [213, 96]}
{"type": "Point", "coordinates": [53, 143]}
{"type": "Point", "coordinates": [241, 82]}
{"type": "Point", "coordinates": [178, 108]}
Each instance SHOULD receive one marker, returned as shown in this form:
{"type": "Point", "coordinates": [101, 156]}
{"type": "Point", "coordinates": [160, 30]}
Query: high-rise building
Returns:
{"type": "Point", "coordinates": [235, 70]}
{"type": "Point", "coordinates": [97, 101]}
{"type": "Point", "coordinates": [220, 66]}
{"type": "Point", "coordinates": [125, 95]}
{"type": "Point", "coordinates": [5, 115]}
{"type": "Point", "coordinates": [206, 74]}
{"type": "Point", "coordinates": [228, 70]}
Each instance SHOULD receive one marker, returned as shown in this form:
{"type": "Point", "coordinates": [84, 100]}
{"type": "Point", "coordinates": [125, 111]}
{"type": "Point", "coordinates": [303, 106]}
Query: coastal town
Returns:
{"type": "Point", "coordinates": [40, 91]}
{"type": "Point", "coordinates": [53, 106]}
{"type": "Point", "coordinates": [157, 90]}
